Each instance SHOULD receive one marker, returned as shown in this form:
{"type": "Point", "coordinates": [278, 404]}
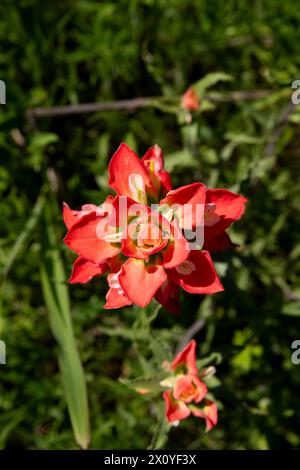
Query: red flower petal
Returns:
{"type": "Point", "coordinates": [115, 263]}
{"type": "Point", "coordinates": [127, 174]}
{"type": "Point", "coordinates": [166, 182]}
{"type": "Point", "coordinates": [175, 410]}
{"type": "Point", "coordinates": [186, 358]}
{"type": "Point", "coordinates": [83, 270]}
{"type": "Point", "coordinates": [197, 274]}
{"type": "Point", "coordinates": [168, 296]}
{"type": "Point", "coordinates": [139, 250]}
{"type": "Point", "coordinates": [177, 249]}
{"type": "Point", "coordinates": [145, 236]}
{"type": "Point", "coordinates": [70, 216]}
{"type": "Point", "coordinates": [85, 239]}
{"type": "Point", "coordinates": [218, 242]}
{"type": "Point", "coordinates": [154, 162]}
{"type": "Point", "coordinates": [189, 388]}
{"type": "Point", "coordinates": [124, 208]}
{"type": "Point", "coordinates": [229, 207]}
{"type": "Point", "coordinates": [191, 200]}
{"type": "Point", "coordinates": [209, 413]}
{"type": "Point", "coordinates": [190, 100]}
{"type": "Point", "coordinates": [141, 281]}
{"type": "Point", "coordinates": [115, 298]}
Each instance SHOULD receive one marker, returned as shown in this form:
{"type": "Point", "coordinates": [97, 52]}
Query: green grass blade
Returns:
{"type": "Point", "coordinates": [57, 301]}
{"type": "Point", "coordinates": [24, 235]}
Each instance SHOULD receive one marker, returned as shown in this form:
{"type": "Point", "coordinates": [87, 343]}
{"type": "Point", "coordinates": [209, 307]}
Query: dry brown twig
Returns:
{"type": "Point", "coordinates": [131, 104]}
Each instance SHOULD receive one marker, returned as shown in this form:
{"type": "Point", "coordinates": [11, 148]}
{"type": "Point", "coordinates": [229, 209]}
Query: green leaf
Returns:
{"type": "Point", "coordinates": [152, 384]}
{"type": "Point", "coordinates": [42, 139]}
{"type": "Point", "coordinates": [9, 423]}
{"type": "Point", "coordinates": [23, 238]}
{"type": "Point", "coordinates": [292, 309]}
{"type": "Point", "coordinates": [209, 80]}
{"type": "Point", "coordinates": [213, 358]}
{"type": "Point", "coordinates": [182, 158]}
{"type": "Point", "coordinates": [57, 301]}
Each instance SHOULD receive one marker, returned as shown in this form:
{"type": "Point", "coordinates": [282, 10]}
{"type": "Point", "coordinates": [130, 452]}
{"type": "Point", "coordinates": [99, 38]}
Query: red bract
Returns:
{"type": "Point", "coordinates": [190, 100]}
{"type": "Point", "coordinates": [142, 238]}
{"type": "Point", "coordinates": [83, 270]}
{"type": "Point", "coordinates": [197, 274]}
{"type": "Point", "coordinates": [186, 204]}
{"type": "Point", "coordinates": [186, 360]}
{"type": "Point", "coordinates": [222, 208]}
{"type": "Point", "coordinates": [186, 393]}
{"type": "Point", "coordinates": [153, 160]}
{"type": "Point", "coordinates": [168, 296]}
{"type": "Point", "coordinates": [142, 180]}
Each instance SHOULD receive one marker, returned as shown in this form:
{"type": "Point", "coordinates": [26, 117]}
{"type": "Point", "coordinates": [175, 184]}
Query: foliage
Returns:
{"type": "Point", "coordinates": [86, 51]}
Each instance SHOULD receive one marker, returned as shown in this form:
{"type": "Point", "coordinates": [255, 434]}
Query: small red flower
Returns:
{"type": "Point", "coordinates": [190, 100]}
{"type": "Point", "coordinates": [186, 392]}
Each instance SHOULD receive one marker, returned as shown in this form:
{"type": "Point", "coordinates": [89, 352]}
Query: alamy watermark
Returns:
{"type": "Point", "coordinates": [296, 94]}
{"type": "Point", "coordinates": [2, 92]}
{"type": "Point", "coordinates": [2, 353]}
{"type": "Point", "coordinates": [153, 226]}
{"type": "Point", "coordinates": [296, 354]}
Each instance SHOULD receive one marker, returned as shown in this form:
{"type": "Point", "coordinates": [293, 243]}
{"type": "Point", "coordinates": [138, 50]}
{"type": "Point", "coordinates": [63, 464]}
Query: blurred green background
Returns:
{"type": "Point", "coordinates": [69, 52]}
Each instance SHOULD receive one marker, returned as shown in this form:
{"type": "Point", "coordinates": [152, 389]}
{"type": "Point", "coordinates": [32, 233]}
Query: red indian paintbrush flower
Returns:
{"type": "Point", "coordinates": [186, 393]}
{"type": "Point", "coordinates": [151, 240]}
